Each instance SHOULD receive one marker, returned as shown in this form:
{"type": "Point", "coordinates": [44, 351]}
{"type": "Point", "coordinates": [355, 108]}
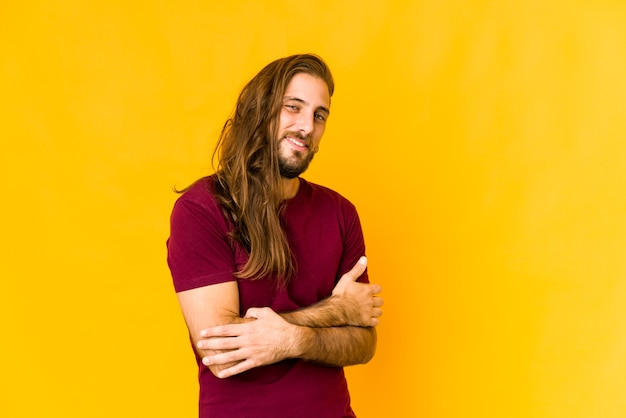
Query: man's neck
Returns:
{"type": "Point", "coordinates": [290, 187]}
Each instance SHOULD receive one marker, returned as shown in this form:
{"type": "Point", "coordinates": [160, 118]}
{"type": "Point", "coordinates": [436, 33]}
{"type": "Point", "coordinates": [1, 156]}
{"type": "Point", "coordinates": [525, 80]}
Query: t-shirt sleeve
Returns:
{"type": "Point", "coordinates": [354, 243]}
{"type": "Point", "coordinates": [198, 249]}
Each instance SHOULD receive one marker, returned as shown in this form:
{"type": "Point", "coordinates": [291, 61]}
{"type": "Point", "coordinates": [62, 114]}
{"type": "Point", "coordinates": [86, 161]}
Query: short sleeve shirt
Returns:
{"type": "Point", "coordinates": [326, 240]}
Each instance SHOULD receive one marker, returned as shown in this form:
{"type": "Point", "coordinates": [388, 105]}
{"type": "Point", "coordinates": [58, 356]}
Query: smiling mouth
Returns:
{"type": "Point", "coordinates": [298, 142]}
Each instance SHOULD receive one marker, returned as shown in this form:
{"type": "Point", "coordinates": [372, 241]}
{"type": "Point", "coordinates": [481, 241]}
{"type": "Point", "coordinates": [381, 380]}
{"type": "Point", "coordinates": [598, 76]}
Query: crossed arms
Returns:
{"type": "Point", "coordinates": [338, 331]}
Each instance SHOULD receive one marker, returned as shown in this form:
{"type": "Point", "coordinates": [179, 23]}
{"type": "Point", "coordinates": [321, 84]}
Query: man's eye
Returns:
{"type": "Point", "coordinates": [320, 117]}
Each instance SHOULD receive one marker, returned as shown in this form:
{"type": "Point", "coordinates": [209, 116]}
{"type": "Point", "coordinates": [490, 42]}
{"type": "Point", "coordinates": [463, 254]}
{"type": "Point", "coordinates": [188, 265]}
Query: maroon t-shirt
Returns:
{"type": "Point", "coordinates": [325, 236]}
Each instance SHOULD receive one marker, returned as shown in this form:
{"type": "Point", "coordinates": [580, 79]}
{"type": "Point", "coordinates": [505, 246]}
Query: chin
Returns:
{"type": "Point", "coordinates": [295, 164]}
{"type": "Point", "coordinates": [291, 171]}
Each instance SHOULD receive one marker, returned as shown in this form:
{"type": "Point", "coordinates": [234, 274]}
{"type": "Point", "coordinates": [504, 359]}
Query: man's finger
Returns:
{"type": "Point", "coordinates": [376, 289]}
{"type": "Point", "coordinates": [219, 343]}
{"type": "Point", "coordinates": [258, 313]}
{"type": "Point", "coordinates": [358, 269]}
{"type": "Point", "coordinates": [238, 368]}
{"type": "Point", "coordinates": [252, 313]}
{"type": "Point", "coordinates": [223, 358]}
{"type": "Point", "coordinates": [231, 330]}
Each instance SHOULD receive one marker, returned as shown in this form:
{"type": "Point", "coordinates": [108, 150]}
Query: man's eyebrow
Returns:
{"type": "Point", "coordinates": [304, 102]}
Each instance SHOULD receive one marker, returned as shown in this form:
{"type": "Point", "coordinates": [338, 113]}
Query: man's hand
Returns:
{"type": "Point", "coordinates": [359, 300]}
{"type": "Point", "coordinates": [336, 331]}
{"type": "Point", "coordinates": [266, 339]}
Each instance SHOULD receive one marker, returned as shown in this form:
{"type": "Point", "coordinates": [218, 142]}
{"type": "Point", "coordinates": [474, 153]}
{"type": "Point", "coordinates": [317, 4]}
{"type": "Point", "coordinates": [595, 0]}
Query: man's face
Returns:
{"type": "Point", "coordinates": [306, 105]}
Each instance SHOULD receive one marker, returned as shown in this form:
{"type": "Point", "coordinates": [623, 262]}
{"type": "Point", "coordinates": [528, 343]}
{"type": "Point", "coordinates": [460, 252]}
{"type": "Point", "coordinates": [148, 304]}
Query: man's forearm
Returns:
{"type": "Point", "coordinates": [332, 334]}
{"type": "Point", "coordinates": [331, 312]}
{"type": "Point", "coordinates": [337, 346]}
{"type": "Point", "coordinates": [269, 338]}
{"type": "Point", "coordinates": [216, 368]}
{"type": "Point", "coordinates": [337, 331]}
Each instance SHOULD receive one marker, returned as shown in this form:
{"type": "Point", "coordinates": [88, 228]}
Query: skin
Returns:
{"type": "Point", "coordinates": [306, 107]}
{"type": "Point", "coordinates": [337, 331]}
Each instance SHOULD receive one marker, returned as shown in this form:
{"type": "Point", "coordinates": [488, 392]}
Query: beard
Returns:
{"type": "Point", "coordinates": [292, 166]}
{"type": "Point", "coordinates": [292, 163]}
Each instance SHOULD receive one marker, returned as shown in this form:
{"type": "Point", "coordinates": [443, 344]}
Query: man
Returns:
{"type": "Point", "coordinates": [269, 269]}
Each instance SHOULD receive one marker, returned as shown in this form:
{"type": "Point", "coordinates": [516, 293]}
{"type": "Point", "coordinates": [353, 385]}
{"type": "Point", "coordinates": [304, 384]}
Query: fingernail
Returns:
{"type": "Point", "coordinates": [363, 260]}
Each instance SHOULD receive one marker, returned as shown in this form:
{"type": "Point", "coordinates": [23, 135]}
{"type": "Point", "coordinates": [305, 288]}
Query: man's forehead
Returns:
{"type": "Point", "coordinates": [309, 90]}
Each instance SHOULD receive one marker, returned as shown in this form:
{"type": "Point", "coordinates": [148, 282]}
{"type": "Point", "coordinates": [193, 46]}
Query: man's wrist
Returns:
{"type": "Point", "coordinates": [343, 310]}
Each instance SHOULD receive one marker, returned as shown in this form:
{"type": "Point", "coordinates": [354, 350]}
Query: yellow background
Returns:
{"type": "Point", "coordinates": [482, 141]}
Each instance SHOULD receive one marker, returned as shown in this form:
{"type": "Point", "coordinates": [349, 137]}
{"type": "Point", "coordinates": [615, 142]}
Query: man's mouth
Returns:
{"type": "Point", "coordinates": [300, 143]}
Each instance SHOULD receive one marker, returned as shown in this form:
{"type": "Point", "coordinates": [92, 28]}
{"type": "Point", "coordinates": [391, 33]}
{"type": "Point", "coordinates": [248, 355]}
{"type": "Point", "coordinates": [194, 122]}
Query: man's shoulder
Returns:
{"type": "Point", "coordinates": [202, 190]}
{"type": "Point", "coordinates": [199, 197]}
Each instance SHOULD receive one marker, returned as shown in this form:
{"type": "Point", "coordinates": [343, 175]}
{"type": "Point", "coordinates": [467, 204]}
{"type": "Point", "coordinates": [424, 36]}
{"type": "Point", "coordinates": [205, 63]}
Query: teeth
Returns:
{"type": "Point", "coordinates": [295, 141]}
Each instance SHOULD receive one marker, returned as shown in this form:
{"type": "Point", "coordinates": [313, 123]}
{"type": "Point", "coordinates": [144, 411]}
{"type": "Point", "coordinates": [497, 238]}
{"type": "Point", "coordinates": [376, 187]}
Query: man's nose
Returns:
{"type": "Point", "coordinates": [305, 123]}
